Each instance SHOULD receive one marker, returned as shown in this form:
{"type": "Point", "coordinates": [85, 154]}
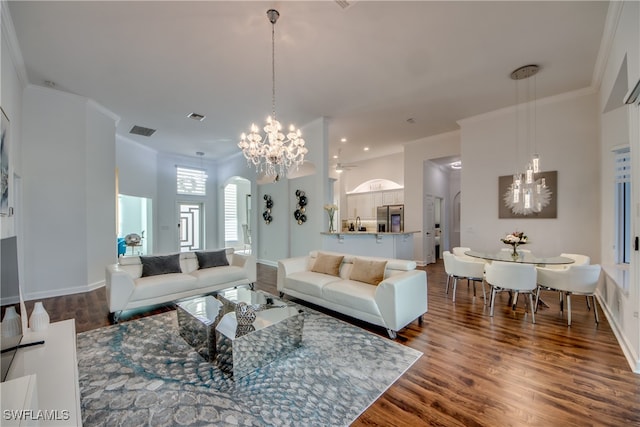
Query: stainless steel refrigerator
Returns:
{"type": "Point", "coordinates": [390, 218]}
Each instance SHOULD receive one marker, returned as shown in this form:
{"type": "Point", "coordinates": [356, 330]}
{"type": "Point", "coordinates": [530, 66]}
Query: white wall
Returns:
{"type": "Point", "coordinates": [137, 169]}
{"type": "Point", "coordinates": [415, 154]}
{"type": "Point", "coordinates": [567, 140]}
{"type": "Point", "coordinates": [621, 126]}
{"type": "Point", "coordinates": [68, 154]}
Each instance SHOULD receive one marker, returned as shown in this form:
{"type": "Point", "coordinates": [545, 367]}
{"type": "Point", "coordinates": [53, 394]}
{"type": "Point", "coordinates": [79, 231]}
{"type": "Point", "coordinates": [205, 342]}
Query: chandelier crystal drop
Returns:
{"type": "Point", "coordinates": [274, 153]}
{"type": "Point", "coordinates": [528, 194]}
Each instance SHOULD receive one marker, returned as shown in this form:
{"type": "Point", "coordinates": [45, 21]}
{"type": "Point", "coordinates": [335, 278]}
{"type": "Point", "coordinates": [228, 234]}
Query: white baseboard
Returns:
{"type": "Point", "coordinates": [268, 262]}
{"type": "Point", "coordinates": [29, 296]}
{"type": "Point", "coordinates": [625, 345]}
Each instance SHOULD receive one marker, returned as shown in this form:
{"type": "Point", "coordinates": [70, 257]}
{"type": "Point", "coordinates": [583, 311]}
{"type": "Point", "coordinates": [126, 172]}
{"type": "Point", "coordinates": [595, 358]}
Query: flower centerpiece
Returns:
{"type": "Point", "coordinates": [331, 210]}
{"type": "Point", "coordinates": [515, 239]}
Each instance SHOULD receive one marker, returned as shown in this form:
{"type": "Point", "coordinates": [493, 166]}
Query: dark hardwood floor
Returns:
{"type": "Point", "coordinates": [476, 370]}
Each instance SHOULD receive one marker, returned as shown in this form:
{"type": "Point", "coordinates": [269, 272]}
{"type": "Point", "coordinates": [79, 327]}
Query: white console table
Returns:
{"type": "Point", "coordinates": [55, 366]}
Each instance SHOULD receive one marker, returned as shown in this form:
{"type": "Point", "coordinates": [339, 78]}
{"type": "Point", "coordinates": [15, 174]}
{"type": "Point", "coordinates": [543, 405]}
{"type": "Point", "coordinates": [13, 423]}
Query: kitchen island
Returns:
{"type": "Point", "coordinates": [369, 243]}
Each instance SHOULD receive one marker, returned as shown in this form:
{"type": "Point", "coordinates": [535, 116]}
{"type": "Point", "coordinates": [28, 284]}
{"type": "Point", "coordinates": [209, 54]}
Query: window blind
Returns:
{"type": "Point", "coordinates": [623, 166]}
{"type": "Point", "coordinates": [191, 182]}
{"type": "Point", "coordinates": [231, 213]}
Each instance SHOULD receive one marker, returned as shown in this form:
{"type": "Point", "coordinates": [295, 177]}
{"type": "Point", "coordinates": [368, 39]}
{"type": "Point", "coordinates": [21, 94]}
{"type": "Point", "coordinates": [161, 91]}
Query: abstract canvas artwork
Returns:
{"type": "Point", "coordinates": [4, 165]}
{"type": "Point", "coordinates": [549, 211]}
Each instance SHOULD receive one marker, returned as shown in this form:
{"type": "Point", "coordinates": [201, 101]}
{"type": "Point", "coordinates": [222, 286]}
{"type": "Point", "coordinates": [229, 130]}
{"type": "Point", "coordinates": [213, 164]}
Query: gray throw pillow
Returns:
{"type": "Point", "coordinates": [163, 264]}
{"type": "Point", "coordinates": [212, 259]}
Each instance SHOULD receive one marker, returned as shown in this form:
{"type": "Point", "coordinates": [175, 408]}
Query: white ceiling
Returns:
{"type": "Point", "coordinates": [368, 68]}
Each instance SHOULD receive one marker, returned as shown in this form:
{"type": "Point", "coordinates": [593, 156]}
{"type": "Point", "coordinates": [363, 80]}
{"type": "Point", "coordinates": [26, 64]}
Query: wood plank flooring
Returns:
{"type": "Point", "coordinates": [476, 370]}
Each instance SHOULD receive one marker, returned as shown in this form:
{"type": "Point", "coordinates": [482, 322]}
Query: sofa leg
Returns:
{"type": "Point", "coordinates": [252, 286]}
{"type": "Point", "coordinates": [420, 320]}
{"type": "Point", "coordinates": [392, 334]}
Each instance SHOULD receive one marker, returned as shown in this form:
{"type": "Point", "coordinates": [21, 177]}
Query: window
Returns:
{"type": "Point", "coordinates": [623, 206]}
{"type": "Point", "coordinates": [231, 213]}
{"type": "Point", "coordinates": [191, 182]}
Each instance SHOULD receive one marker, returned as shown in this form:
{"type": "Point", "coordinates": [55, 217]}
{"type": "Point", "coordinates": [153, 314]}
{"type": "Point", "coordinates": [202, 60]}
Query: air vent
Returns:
{"type": "Point", "coordinates": [345, 4]}
{"type": "Point", "coordinates": [196, 116]}
{"type": "Point", "coordinates": [139, 130]}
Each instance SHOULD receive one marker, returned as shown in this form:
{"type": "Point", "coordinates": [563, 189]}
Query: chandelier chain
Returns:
{"type": "Point", "coordinates": [273, 152]}
{"type": "Point", "coordinates": [273, 70]}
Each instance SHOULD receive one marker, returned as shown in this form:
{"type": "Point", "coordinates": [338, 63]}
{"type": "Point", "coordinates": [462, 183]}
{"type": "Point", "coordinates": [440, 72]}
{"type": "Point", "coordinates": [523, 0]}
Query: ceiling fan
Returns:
{"type": "Point", "coordinates": [340, 167]}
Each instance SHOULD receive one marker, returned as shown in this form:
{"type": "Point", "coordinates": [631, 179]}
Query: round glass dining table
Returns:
{"type": "Point", "coordinates": [523, 258]}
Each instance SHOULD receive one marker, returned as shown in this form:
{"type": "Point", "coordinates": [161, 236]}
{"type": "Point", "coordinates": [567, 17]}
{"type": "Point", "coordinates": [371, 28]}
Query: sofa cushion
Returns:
{"type": "Point", "coordinates": [327, 264]}
{"type": "Point", "coordinates": [218, 275]}
{"type": "Point", "coordinates": [156, 265]}
{"type": "Point", "coordinates": [212, 259]}
{"type": "Point", "coordinates": [354, 294]}
{"type": "Point", "coordinates": [368, 271]}
{"type": "Point", "coordinates": [163, 284]}
{"type": "Point", "coordinates": [309, 282]}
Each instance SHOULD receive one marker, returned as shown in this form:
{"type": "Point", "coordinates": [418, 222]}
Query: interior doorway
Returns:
{"type": "Point", "coordinates": [135, 225]}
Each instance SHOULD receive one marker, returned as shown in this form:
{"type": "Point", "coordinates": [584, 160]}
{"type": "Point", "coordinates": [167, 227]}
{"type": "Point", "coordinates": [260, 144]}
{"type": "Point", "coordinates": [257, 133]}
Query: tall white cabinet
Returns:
{"type": "Point", "coordinates": [43, 380]}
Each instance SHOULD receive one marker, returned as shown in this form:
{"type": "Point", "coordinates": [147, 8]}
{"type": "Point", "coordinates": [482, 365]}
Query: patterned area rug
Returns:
{"type": "Point", "coordinates": [142, 373]}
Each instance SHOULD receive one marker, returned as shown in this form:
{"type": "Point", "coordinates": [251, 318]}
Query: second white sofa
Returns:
{"type": "Point", "coordinates": [399, 298]}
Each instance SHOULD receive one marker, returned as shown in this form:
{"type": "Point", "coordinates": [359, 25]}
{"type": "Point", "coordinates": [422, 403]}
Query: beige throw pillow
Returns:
{"type": "Point", "coordinates": [327, 264]}
{"type": "Point", "coordinates": [368, 271]}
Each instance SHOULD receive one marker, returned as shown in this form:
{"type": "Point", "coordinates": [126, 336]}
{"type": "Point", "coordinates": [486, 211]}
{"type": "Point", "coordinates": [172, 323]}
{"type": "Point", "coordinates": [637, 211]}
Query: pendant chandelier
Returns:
{"type": "Point", "coordinates": [274, 153]}
{"type": "Point", "coordinates": [528, 193]}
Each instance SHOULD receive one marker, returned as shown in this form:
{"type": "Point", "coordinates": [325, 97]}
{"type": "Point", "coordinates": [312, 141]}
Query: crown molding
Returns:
{"type": "Point", "coordinates": [590, 90]}
{"type": "Point", "coordinates": [606, 42]}
{"type": "Point", "coordinates": [9, 33]}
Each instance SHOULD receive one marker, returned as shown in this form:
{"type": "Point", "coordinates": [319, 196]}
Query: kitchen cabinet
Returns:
{"type": "Point", "coordinates": [364, 204]}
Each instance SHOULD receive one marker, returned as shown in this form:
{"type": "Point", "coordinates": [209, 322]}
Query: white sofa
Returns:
{"type": "Point", "coordinates": [127, 289]}
{"type": "Point", "coordinates": [394, 303]}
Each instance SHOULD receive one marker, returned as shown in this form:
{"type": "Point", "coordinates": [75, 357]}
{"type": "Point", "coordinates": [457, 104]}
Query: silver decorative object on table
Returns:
{"type": "Point", "coordinates": [197, 321]}
{"type": "Point", "coordinates": [274, 333]}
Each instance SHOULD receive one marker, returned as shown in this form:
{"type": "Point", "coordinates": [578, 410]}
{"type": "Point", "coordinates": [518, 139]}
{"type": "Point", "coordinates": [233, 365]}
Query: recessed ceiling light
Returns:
{"type": "Point", "coordinates": [456, 165]}
{"type": "Point", "coordinates": [196, 116]}
{"type": "Point", "coordinates": [335, 156]}
{"type": "Point", "coordinates": [343, 140]}
{"type": "Point", "coordinates": [366, 148]}
{"type": "Point", "coordinates": [411, 120]}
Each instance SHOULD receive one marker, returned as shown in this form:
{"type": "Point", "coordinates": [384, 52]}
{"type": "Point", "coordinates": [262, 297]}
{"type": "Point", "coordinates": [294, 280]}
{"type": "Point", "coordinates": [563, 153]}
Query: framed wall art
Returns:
{"type": "Point", "coordinates": [4, 164]}
{"type": "Point", "coordinates": [548, 211]}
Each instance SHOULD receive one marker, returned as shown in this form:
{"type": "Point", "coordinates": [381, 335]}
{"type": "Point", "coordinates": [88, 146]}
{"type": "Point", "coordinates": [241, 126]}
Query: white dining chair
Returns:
{"type": "Point", "coordinates": [463, 268]}
{"type": "Point", "coordinates": [574, 280]}
{"type": "Point", "coordinates": [511, 276]}
{"type": "Point", "coordinates": [460, 250]}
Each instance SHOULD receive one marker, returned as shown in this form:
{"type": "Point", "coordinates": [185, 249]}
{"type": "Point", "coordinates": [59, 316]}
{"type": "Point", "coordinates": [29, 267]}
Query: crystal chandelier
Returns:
{"type": "Point", "coordinates": [527, 194]}
{"type": "Point", "coordinates": [275, 153]}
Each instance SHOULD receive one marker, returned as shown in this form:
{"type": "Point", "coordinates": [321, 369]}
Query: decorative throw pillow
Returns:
{"type": "Point", "coordinates": [327, 264]}
{"type": "Point", "coordinates": [368, 271]}
{"type": "Point", "coordinates": [164, 264]}
{"type": "Point", "coordinates": [212, 259]}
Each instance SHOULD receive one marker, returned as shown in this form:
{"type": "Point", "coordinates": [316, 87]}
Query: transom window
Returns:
{"type": "Point", "coordinates": [191, 182]}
